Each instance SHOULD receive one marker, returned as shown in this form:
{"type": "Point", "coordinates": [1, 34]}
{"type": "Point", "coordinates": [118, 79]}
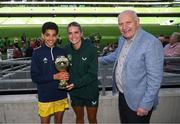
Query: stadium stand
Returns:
{"type": "Point", "coordinates": [22, 13]}
{"type": "Point", "coordinates": [86, 10]}
{"type": "Point", "coordinates": [84, 20]}
{"type": "Point", "coordinates": [15, 74]}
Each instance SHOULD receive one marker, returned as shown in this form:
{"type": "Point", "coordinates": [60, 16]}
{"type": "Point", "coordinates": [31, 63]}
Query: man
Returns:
{"type": "Point", "coordinates": [138, 69]}
{"type": "Point", "coordinates": [173, 48]}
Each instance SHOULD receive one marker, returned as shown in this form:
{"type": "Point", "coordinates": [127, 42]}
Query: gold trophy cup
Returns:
{"type": "Point", "coordinates": [62, 64]}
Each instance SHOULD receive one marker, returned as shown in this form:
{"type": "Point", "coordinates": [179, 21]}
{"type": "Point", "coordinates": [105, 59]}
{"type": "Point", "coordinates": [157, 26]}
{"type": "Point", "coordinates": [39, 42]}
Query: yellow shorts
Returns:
{"type": "Point", "coordinates": [48, 108]}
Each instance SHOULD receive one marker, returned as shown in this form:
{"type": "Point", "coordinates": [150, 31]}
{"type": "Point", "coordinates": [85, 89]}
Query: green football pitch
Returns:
{"type": "Point", "coordinates": [109, 33]}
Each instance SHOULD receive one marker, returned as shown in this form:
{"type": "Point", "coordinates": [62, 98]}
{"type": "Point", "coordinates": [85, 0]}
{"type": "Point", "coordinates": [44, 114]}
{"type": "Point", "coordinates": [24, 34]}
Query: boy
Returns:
{"type": "Point", "coordinates": [52, 101]}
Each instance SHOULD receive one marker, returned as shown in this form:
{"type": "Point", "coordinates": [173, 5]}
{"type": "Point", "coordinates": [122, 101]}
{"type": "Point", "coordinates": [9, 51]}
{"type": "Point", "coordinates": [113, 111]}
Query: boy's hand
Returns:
{"type": "Point", "coordinates": [61, 76]}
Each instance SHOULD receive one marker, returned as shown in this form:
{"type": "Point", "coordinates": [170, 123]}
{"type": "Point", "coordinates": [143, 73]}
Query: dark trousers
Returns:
{"type": "Point", "coordinates": [129, 116]}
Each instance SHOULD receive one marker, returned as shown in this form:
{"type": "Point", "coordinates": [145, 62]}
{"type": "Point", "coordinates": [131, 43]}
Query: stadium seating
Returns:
{"type": "Point", "coordinates": [84, 20]}
{"type": "Point", "coordinates": [77, 10]}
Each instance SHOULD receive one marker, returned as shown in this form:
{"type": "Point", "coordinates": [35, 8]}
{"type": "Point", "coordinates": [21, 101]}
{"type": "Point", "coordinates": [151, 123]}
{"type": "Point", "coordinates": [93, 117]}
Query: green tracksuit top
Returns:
{"type": "Point", "coordinates": [83, 70]}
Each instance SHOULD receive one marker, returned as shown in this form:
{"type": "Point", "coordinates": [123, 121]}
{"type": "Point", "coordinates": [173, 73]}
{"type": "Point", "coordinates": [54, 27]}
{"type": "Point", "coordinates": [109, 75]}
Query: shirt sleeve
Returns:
{"type": "Point", "coordinates": [154, 59]}
{"type": "Point", "coordinates": [37, 75]}
{"type": "Point", "coordinates": [177, 51]}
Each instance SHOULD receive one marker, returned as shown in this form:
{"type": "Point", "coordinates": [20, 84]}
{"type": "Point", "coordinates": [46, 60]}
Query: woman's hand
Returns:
{"type": "Point", "coordinates": [70, 86]}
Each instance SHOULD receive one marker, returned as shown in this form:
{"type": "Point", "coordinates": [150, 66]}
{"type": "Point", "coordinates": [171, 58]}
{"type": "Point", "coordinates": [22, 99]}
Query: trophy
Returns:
{"type": "Point", "coordinates": [62, 64]}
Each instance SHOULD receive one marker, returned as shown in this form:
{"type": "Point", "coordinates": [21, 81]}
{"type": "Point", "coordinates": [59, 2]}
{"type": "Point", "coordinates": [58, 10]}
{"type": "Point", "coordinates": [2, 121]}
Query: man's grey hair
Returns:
{"type": "Point", "coordinates": [177, 36]}
{"type": "Point", "coordinates": [133, 13]}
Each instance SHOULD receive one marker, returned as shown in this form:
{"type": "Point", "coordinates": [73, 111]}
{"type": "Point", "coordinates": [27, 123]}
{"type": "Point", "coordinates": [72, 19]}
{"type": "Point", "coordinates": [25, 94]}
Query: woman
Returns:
{"type": "Point", "coordinates": [83, 85]}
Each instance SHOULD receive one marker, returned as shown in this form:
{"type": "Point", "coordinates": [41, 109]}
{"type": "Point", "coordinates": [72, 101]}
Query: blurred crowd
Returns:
{"type": "Point", "coordinates": [171, 49]}
{"type": "Point", "coordinates": [171, 45]}
{"type": "Point", "coordinates": [18, 48]}
{"type": "Point", "coordinates": [111, 47]}
{"type": "Point", "coordinates": [22, 47]}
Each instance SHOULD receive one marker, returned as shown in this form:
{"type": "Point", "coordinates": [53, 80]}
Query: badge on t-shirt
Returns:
{"type": "Point", "coordinates": [84, 58]}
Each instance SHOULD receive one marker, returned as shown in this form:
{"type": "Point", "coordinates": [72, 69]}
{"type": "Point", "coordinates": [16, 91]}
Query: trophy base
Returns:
{"type": "Point", "coordinates": [62, 84]}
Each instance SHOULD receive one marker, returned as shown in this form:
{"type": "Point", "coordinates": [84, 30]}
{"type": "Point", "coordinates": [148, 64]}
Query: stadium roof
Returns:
{"type": "Point", "coordinates": [89, 3]}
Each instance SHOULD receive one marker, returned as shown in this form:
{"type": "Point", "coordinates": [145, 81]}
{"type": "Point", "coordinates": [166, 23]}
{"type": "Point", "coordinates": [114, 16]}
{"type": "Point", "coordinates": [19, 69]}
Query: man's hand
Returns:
{"type": "Point", "coordinates": [70, 86]}
{"type": "Point", "coordinates": [141, 112]}
{"type": "Point", "coordinates": [61, 76]}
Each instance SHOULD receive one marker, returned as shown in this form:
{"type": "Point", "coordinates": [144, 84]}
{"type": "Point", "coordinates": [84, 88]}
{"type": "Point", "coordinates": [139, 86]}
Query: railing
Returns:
{"type": "Point", "coordinates": [15, 75]}
{"type": "Point", "coordinates": [11, 65]}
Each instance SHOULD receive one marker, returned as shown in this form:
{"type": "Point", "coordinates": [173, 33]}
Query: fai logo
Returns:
{"type": "Point", "coordinates": [45, 60]}
{"type": "Point", "coordinates": [84, 59]}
